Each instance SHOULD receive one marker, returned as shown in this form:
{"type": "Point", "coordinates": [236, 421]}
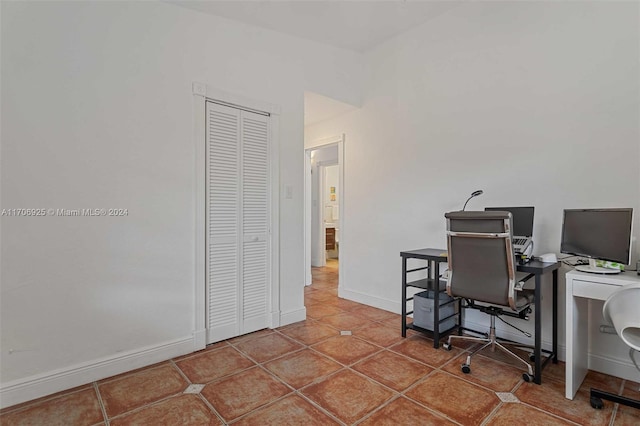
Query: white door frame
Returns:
{"type": "Point", "coordinates": [202, 92]}
{"type": "Point", "coordinates": [317, 144]}
{"type": "Point", "coordinates": [319, 209]}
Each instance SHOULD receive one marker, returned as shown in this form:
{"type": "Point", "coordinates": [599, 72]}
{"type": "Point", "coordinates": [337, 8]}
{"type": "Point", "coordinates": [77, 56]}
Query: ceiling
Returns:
{"type": "Point", "coordinates": [356, 25]}
{"type": "Point", "coordinates": [350, 24]}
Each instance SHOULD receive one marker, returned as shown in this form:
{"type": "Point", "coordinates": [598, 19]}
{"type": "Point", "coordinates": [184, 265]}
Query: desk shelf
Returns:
{"type": "Point", "coordinates": [426, 283]}
{"type": "Point", "coordinates": [433, 257]}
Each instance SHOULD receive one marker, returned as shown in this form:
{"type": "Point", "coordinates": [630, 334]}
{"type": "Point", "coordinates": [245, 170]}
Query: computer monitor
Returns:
{"type": "Point", "coordinates": [599, 234]}
{"type": "Point", "coordinates": [522, 219]}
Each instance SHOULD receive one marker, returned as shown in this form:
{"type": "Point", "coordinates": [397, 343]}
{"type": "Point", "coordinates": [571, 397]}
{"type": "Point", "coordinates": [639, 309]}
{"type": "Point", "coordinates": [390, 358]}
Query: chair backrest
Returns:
{"type": "Point", "coordinates": [621, 309]}
{"type": "Point", "coordinates": [480, 255]}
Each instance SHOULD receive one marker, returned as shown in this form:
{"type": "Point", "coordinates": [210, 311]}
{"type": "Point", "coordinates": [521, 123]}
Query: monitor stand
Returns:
{"type": "Point", "coordinates": [592, 268]}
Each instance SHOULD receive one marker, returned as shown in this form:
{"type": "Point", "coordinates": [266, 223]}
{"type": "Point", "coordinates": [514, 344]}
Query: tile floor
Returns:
{"type": "Point", "coordinates": [309, 374]}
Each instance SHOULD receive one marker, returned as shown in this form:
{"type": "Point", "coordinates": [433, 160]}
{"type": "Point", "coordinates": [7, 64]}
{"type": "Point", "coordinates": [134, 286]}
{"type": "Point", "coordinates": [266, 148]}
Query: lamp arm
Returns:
{"type": "Point", "coordinates": [465, 203]}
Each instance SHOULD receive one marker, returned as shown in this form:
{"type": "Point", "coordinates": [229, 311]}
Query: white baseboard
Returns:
{"type": "Point", "coordinates": [40, 385]}
{"type": "Point", "coordinates": [199, 339]}
{"type": "Point", "coordinates": [290, 317]}
{"type": "Point", "coordinates": [274, 319]}
{"type": "Point", "coordinates": [614, 367]}
{"type": "Point", "coordinates": [367, 299]}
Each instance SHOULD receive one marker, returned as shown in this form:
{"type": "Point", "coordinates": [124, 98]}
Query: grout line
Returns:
{"type": "Point", "coordinates": [492, 413]}
{"type": "Point", "coordinates": [145, 406]}
{"type": "Point", "coordinates": [101, 402]}
{"type": "Point", "coordinates": [184, 376]}
{"type": "Point", "coordinates": [549, 413]}
{"type": "Point", "coordinates": [379, 408]}
{"type": "Point", "coordinates": [319, 407]}
{"type": "Point", "coordinates": [212, 408]}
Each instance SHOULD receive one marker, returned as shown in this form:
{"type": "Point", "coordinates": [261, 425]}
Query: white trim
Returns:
{"type": "Point", "coordinates": [368, 299]}
{"type": "Point", "coordinates": [202, 92]}
{"type": "Point", "coordinates": [199, 339]}
{"type": "Point", "coordinates": [614, 367]}
{"type": "Point", "coordinates": [324, 142]}
{"type": "Point", "coordinates": [322, 230]}
{"type": "Point", "coordinates": [338, 140]}
{"type": "Point", "coordinates": [210, 92]}
{"type": "Point", "coordinates": [307, 214]}
{"type": "Point", "coordinates": [291, 317]}
{"type": "Point", "coordinates": [199, 137]}
{"type": "Point", "coordinates": [40, 385]}
{"type": "Point", "coordinates": [274, 229]}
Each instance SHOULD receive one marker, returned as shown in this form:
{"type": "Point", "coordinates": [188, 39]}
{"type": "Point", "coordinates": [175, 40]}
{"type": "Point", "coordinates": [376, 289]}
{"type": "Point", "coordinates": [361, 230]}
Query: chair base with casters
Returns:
{"type": "Point", "coordinates": [596, 396]}
{"type": "Point", "coordinates": [491, 341]}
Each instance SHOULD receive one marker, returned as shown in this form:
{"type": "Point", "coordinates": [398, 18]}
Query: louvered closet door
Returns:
{"type": "Point", "coordinates": [255, 217]}
{"type": "Point", "coordinates": [237, 221]}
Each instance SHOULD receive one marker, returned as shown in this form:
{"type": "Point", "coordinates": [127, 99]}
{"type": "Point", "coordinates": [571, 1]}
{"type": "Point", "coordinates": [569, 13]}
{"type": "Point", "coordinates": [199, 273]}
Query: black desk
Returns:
{"type": "Point", "coordinates": [435, 256]}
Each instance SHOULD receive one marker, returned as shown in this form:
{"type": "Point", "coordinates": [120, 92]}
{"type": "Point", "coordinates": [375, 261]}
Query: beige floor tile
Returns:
{"type": "Point", "coordinates": [347, 395]}
{"type": "Point", "coordinates": [241, 393]}
{"type": "Point", "coordinates": [76, 408]}
{"type": "Point", "coordinates": [214, 364]}
{"type": "Point", "coordinates": [138, 389]}
{"type": "Point", "coordinates": [393, 370]}
{"type": "Point", "coordinates": [302, 368]}
{"type": "Point", "coordinates": [289, 411]}
{"type": "Point", "coordinates": [404, 412]}
{"type": "Point", "coordinates": [444, 393]}
{"type": "Point", "coordinates": [181, 410]}
{"type": "Point", "coordinates": [268, 347]}
{"type": "Point", "coordinates": [346, 349]}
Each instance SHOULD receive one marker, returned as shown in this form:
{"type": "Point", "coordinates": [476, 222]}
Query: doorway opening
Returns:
{"type": "Point", "coordinates": [324, 207]}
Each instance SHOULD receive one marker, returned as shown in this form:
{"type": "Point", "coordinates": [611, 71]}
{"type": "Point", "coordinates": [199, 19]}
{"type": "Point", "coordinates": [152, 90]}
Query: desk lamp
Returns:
{"type": "Point", "coordinates": [473, 194]}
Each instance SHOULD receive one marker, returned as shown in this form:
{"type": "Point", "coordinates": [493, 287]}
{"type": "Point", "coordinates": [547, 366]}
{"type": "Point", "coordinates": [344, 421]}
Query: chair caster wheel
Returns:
{"type": "Point", "coordinates": [466, 368]}
{"type": "Point", "coordinates": [446, 346]}
{"type": "Point", "coordinates": [596, 403]}
{"type": "Point", "coordinates": [532, 357]}
{"type": "Point", "coordinates": [527, 377]}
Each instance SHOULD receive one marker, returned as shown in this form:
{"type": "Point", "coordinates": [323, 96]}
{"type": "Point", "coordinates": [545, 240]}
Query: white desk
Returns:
{"type": "Point", "coordinates": [581, 287]}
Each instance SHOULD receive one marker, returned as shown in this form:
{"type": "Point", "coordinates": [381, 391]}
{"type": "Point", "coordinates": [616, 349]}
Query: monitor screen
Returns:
{"type": "Point", "coordinates": [603, 234]}
{"type": "Point", "coordinates": [522, 219]}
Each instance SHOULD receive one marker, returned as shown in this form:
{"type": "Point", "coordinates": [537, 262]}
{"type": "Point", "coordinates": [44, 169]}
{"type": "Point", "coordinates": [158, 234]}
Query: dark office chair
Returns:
{"type": "Point", "coordinates": [482, 269]}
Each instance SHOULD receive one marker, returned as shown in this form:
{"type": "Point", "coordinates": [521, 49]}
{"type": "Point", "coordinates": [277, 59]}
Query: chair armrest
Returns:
{"type": "Point", "coordinates": [520, 284]}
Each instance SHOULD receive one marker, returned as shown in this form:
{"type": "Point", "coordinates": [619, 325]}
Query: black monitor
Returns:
{"type": "Point", "coordinates": [522, 219]}
{"type": "Point", "coordinates": [599, 234]}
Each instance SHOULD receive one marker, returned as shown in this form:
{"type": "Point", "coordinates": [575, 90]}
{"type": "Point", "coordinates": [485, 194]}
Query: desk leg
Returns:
{"type": "Point", "coordinates": [537, 372]}
{"type": "Point", "coordinates": [555, 317]}
{"type": "Point", "coordinates": [435, 266]}
{"type": "Point", "coordinates": [577, 340]}
{"type": "Point", "coordinates": [403, 301]}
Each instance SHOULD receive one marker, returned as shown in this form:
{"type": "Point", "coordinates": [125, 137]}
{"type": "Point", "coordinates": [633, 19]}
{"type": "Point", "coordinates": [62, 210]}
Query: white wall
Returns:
{"type": "Point", "coordinates": [97, 113]}
{"type": "Point", "coordinates": [536, 103]}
